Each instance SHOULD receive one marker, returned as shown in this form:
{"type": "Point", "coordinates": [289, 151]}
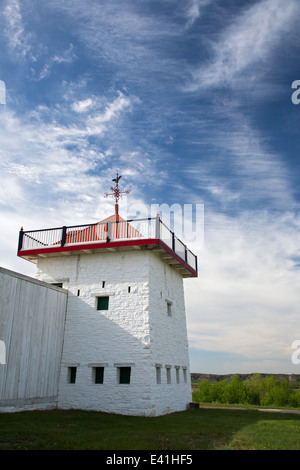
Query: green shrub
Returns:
{"type": "Point", "coordinates": [267, 391]}
{"type": "Point", "coordinates": [218, 392]}
{"type": "Point", "coordinates": [203, 394]}
{"type": "Point", "coordinates": [294, 401]}
{"type": "Point", "coordinates": [235, 391]}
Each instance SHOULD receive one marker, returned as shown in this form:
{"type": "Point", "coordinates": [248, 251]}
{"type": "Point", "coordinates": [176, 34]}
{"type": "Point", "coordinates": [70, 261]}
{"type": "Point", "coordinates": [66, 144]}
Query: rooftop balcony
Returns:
{"type": "Point", "coordinates": [109, 235]}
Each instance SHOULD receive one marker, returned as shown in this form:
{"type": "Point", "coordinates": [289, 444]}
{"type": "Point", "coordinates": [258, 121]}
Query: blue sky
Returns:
{"type": "Point", "coordinates": [191, 102]}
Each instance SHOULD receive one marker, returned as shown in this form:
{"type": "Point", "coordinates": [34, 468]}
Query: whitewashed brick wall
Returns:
{"type": "Point", "coordinates": [136, 331]}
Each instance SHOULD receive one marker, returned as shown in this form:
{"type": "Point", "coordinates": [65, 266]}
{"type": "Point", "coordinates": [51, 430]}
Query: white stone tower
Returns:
{"type": "Point", "coordinates": [125, 347]}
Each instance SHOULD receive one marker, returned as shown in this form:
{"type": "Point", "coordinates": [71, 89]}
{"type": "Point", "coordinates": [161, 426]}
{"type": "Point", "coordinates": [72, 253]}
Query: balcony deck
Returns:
{"type": "Point", "coordinates": [148, 233]}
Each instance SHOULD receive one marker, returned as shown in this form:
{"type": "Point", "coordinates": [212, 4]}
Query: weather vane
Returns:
{"type": "Point", "coordinates": [116, 192]}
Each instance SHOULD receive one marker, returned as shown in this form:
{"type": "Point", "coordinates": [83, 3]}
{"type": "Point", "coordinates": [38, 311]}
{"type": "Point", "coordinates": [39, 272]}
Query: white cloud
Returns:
{"type": "Point", "coordinates": [66, 57]}
{"type": "Point", "coordinates": [245, 168]}
{"type": "Point", "coordinates": [194, 10]}
{"type": "Point", "coordinates": [128, 37]}
{"type": "Point", "coordinates": [10, 190]}
{"type": "Point", "coordinates": [82, 106]}
{"type": "Point", "coordinates": [19, 41]}
{"type": "Point", "coordinates": [250, 41]}
{"type": "Point", "coordinates": [112, 110]}
{"type": "Point", "coordinates": [42, 159]}
{"type": "Point", "coordinates": [246, 299]}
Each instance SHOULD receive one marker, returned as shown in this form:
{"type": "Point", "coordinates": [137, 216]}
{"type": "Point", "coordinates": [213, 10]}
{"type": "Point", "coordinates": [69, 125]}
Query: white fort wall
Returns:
{"type": "Point", "coordinates": [32, 318]}
{"type": "Point", "coordinates": [169, 343]}
{"type": "Point", "coordinates": [135, 332]}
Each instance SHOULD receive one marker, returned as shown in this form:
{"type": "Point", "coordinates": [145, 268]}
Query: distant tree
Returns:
{"type": "Point", "coordinates": [203, 394]}
{"type": "Point", "coordinates": [267, 391]}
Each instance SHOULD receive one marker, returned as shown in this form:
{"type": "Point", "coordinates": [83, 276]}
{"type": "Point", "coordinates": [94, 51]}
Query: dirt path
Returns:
{"type": "Point", "coordinates": [247, 409]}
{"type": "Point", "coordinates": [281, 411]}
{"type": "Point", "coordinates": [223, 407]}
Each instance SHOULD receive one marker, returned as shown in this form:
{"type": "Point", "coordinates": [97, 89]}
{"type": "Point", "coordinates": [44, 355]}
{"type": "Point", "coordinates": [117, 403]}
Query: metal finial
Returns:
{"type": "Point", "coordinates": [116, 192]}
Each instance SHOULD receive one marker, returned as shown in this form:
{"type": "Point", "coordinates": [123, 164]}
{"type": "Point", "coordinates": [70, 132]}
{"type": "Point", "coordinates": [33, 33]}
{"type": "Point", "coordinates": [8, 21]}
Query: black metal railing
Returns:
{"type": "Point", "coordinates": [104, 232]}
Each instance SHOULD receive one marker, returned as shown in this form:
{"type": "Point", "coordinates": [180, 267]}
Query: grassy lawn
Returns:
{"type": "Point", "coordinates": [202, 429]}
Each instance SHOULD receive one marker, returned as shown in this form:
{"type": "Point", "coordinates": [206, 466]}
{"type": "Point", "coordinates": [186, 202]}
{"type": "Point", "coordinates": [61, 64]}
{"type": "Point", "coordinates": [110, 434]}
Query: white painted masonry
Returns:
{"type": "Point", "coordinates": [144, 329]}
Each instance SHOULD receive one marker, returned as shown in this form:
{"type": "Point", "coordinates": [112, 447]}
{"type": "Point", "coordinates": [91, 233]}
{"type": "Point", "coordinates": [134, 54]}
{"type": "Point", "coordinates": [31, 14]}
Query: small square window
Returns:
{"type": "Point", "coordinates": [124, 375]}
{"type": "Point", "coordinates": [102, 303]}
{"type": "Point", "coordinates": [72, 374]}
{"type": "Point", "coordinates": [98, 375]}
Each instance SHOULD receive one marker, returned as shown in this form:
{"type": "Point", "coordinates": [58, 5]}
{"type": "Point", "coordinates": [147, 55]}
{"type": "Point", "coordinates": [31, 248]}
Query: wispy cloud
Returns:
{"type": "Point", "coordinates": [244, 169]}
{"type": "Point", "coordinates": [249, 41]}
{"type": "Point", "coordinates": [131, 38]}
{"type": "Point", "coordinates": [66, 57]}
{"type": "Point", "coordinates": [194, 9]}
{"type": "Point", "coordinates": [247, 285]}
{"type": "Point", "coordinates": [113, 109]}
{"type": "Point", "coordinates": [18, 40]}
{"type": "Point", "coordinates": [82, 106]}
{"type": "Point", "coordinates": [47, 157]}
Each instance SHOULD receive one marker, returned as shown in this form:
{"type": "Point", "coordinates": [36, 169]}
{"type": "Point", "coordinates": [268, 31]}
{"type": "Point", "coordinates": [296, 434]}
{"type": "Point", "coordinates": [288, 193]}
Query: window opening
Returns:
{"type": "Point", "coordinates": [57, 284]}
{"type": "Point", "coordinates": [124, 375]}
{"type": "Point", "coordinates": [168, 369]}
{"type": "Point", "coordinates": [98, 373]}
{"type": "Point", "coordinates": [72, 374]}
{"type": "Point", "coordinates": [102, 303]}
{"type": "Point", "coordinates": [158, 375]}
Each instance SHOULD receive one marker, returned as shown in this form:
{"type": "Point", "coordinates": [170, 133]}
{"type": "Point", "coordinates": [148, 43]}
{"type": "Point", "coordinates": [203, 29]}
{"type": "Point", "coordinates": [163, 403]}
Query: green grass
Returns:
{"type": "Point", "coordinates": [202, 429]}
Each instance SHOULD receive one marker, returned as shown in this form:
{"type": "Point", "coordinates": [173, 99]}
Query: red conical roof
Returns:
{"type": "Point", "coordinates": [114, 227]}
